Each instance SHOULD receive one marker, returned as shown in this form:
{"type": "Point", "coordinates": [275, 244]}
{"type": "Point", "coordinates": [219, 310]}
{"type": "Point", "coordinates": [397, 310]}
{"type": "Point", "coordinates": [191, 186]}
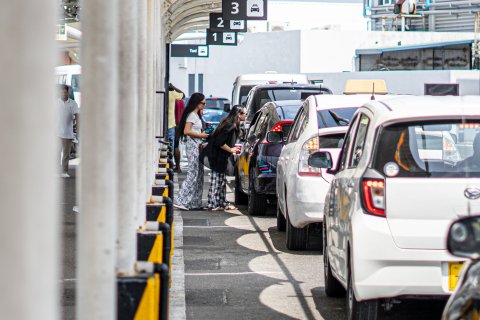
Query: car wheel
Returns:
{"type": "Point", "coordinates": [359, 310]}
{"type": "Point", "coordinates": [333, 287]}
{"type": "Point", "coordinates": [281, 222]}
{"type": "Point", "coordinates": [296, 237]}
{"type": "Point", "coordinates": [257, 203]}
{"type": "Point", "coordinates": [240, 197]}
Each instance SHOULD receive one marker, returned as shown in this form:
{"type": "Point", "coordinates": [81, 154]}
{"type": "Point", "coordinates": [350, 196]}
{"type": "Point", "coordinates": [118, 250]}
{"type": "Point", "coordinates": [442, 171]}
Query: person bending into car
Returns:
{"type": "Point", "coordinates": [190, 128]}
{"type": "Point", "coordinates": [221, 146]}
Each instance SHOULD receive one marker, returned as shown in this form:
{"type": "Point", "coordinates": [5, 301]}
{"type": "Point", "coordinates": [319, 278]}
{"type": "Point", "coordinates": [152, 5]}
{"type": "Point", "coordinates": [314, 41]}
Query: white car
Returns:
{"type": "Point", "coordinates": [390, 204]}
{"type": "Point", "coordinates": [320, 124]}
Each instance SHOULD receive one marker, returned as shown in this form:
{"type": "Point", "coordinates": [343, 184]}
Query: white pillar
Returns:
{"type": "Point", "coordinates": [150, 93]}
{"type": "Point", "coordinates": [30, 224]}
{"type": "Point", "coordinates": [97, 223]}
{"type": "Point", "coordinates": [127, 137]}
{"type": "Point", "coordinates": [142, 113]}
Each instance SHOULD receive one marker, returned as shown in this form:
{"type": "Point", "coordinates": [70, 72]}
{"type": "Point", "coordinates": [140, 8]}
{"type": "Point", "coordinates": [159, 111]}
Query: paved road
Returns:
{"type": "Point", "coordinates": [237, 267]}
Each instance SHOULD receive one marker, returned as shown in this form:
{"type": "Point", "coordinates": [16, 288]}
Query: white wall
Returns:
{"type": "Point", "coordinates": [308, 51]}
{"type": "Point", "coordinates": [404, 82]}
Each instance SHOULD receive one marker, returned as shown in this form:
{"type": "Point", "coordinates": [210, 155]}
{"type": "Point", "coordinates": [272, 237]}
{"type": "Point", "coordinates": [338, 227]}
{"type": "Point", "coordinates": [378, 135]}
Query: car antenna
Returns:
{"type": "Point", "coordinates": [373, 92]}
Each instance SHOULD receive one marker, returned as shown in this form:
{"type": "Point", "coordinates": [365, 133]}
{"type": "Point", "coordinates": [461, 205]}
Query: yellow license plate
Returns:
{"type": "Point", "coordinates": [453, 273]}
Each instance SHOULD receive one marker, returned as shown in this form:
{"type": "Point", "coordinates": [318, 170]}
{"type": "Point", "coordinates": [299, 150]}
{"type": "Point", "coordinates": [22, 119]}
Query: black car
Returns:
{"type": "Point", "coordinates": [259, 95]}
{"type": "Point", "coordinates": [255, 173]}
{"type": "Point", "coordinates": [464, 241]}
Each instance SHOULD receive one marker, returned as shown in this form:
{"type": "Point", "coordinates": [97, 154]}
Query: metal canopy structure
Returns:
{"type": "Point", "coordinates": [179, 16]}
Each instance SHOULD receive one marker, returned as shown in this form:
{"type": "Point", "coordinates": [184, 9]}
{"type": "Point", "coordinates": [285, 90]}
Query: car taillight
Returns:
{"type": "Point", "coordinates": [469, 126]}
{"type": "Point", "coordinates": [374, 196]}
{"type": "Point", "coordinates": [449, 151]}
{"type": "Point", "coordinates": [278, 127]}
{"type": "Point", "coordinates": [308, 148]}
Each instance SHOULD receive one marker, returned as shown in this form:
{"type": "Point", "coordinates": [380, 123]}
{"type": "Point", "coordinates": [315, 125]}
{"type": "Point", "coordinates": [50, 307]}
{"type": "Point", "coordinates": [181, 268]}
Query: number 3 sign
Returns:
{"type": "Point", "coordinates": [244, 9]}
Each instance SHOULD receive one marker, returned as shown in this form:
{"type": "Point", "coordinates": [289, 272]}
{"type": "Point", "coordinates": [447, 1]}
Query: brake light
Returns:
{"type": "Point", "coordinates": [374, 196]}
{"type": "Point", "coordinates": [278, 127]}
{"type": "Point", "coordinates": [208, 124]}
{"type": "Point", "coordinates": [469, 126]}
{"type": "Point", "coordinates": [310, 146]}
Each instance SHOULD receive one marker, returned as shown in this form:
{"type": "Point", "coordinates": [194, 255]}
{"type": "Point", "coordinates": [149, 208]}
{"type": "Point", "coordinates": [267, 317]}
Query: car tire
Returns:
{"type": "Point", "coordinates": [240, 197]}
{"type": "Point", "coordinates": [257, 203]}
{"type": "Point", "coordinates": [333, 287]}
{"type": "Point", "coordinates": [281, 222]}
{"type": "Point", "coordinates": [359, 310]}
{"type": "Point", "coordinates": [296, 238]}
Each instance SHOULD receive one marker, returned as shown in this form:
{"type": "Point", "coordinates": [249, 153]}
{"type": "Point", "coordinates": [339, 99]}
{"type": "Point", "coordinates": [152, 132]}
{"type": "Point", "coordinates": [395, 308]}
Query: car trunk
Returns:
{"type": "Point", "coordinates": [420, 210]}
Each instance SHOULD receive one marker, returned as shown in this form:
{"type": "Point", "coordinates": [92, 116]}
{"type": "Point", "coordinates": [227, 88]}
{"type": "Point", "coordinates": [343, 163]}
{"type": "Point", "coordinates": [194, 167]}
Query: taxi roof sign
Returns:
{"type": "Point", "coordinates": [370, 86]}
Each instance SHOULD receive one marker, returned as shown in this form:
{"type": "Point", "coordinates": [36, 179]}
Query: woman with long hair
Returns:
{"type": "Point", "coordinates": [221, 146]}
{"type": "Point", "coordinates": [190, 131]}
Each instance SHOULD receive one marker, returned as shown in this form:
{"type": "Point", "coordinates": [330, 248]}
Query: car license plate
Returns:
{"type": "Point", "coordinates": [453, 273]}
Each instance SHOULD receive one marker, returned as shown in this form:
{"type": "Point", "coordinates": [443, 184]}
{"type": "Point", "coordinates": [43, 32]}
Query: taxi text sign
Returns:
{"type": "Point", "coordinates": [220, 24]}
{"type": "Point", "coordinates": [221, 38]}
{"type": "Point", "coordinates": [189, 51]}
{"type": "Point", "coordinates": [244, 9]}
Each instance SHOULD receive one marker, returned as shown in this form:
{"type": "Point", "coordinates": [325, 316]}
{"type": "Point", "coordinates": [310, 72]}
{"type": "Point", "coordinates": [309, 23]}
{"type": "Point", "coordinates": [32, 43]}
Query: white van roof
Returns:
{"type": "Point", "coordinates": [254, 78]}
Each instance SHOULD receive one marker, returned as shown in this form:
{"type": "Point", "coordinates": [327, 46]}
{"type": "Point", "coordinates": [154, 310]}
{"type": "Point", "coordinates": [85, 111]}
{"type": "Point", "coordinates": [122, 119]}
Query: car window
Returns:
{"type": "Point", "coordinates": [328, 118]}
{"type": "Point", "coordinates": [348, 139]}
{"type": "Point", "coordinates": [302, 124]}
{"type": "Point", "coordinates": [295, 124]}
{"type": "Point", "coordinates": [288, 112]}
{"type": "Point", "coordinates": [429, 149]}
{"type": "Point", "coordinates": [214, 103]}
{"type": "Point", "coordinates": [359, 141]}
{"type": "Point", "coordinates": [261, 123]}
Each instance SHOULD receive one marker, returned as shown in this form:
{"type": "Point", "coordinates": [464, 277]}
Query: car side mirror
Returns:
{"type": "Point", "coordinates": [275, 137]}
{"type": "Point", "coordinates": [320, 159]}
{"type": "Point", "coordinates": [463, 238]}
{"type": "Point", "coordinates": [227, 107]}
{"type": "Point", "coordinates": [251, 139]}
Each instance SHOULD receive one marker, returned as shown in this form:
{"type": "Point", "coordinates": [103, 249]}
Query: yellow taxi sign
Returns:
{"type": "Point", "coordinates": [359, 86]}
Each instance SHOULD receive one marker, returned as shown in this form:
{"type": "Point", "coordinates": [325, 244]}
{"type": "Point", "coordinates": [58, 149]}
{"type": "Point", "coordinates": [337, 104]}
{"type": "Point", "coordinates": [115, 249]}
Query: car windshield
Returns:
{"type": "Point", "coordinates": [244, 90]}
{"type": "Point", "coordinates": [212, 115]}
{"type": "Point", "coordinates": [447, 149]}
{"type": "Point", "coordinates": [328, 118]}
{"type": "Point", "coordinates": [215, 103]}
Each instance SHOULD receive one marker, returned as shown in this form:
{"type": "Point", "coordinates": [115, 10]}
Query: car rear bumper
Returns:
{"type": "Point", "coordinates": [265, 183]}
{"type": "Point", "coordinates": [306, 200]}
{"type": "Point", "coordinates": [382, 270]}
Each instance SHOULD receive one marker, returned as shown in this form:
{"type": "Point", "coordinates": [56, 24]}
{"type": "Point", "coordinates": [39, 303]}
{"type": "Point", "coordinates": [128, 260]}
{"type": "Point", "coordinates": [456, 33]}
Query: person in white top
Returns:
{"type": "Point", "coordinates": [67, 113]}
{"type": "Point", "coordinates": [190, 130]}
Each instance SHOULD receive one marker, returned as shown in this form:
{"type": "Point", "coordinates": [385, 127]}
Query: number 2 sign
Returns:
{"type": "Point", "coordinates": [220, 24]}
{"type": "Point", "coordinates": [244, 9]}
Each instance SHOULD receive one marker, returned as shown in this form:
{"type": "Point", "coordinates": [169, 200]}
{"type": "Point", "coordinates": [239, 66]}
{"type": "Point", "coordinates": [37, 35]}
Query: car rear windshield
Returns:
{"type": "Point", "coordinates": [287, 112]}
{"type": "Point", "coordinates": [213, 115]}
{"type": "Point", "coordinates": [428, 149]}
{"type": "Point", "coordinates": [263, 96]}
{"type": "Point", "coordinates": [331, 140]}
{"type": "Point", "coordinates": [328, 118]}
{"type": "Point", "coordinates": [215, 103]}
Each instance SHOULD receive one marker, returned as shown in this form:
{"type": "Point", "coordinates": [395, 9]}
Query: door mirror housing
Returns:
{"type": "Point", "coordinates": [463, 238]}
{"type": "Point", "coordinates": [227, 107]}
{"type": "Point", "coordinates": [275, 137]}
{"type": "Point", "coordinates": [320, 159]}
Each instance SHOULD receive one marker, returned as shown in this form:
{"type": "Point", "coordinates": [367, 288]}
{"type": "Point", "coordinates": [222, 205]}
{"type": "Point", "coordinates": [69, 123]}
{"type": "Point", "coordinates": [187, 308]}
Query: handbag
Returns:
{"type": "Point", "coordinates": [396, 8]}
{"type": "Point", "coordinates": [230, 171]}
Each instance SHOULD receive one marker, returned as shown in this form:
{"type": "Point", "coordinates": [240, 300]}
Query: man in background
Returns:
{"type": "Point", "coordinates": [67, 112]}
{"type": "Point", "coordinates": [173, 94]}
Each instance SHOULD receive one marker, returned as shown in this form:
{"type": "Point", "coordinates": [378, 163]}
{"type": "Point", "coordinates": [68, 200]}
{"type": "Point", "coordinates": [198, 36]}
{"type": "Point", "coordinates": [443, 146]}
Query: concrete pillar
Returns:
{"type": "Point", "coordinates": [30, 224]}
{"type": "Point", "coordinates": [127, 136]}
{"type": "Point", "coordinates": [150, 93]}
{"type": "Point", "coordinates": [97, 223]}
{"type": "Point", "coordinates": [142, 112]}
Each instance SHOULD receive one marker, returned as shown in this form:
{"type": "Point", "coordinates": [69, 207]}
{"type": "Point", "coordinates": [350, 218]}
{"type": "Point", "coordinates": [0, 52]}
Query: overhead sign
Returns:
{"type": "Point", "coordinates": [221, 38]}
{"type": "Point", "coordinates": [244, 9]}
{"type": "Point", "coordinates": [220, 24]}
{"type": "Point", "coordinates": [189, 51]}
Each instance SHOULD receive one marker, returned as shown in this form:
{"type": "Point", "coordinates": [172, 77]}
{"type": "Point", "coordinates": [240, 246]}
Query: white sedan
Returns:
{"type": "Point", "coordinates": [320, 124]}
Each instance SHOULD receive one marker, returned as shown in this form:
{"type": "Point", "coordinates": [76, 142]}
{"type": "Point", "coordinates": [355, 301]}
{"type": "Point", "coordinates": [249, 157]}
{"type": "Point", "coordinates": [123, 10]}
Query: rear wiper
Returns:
{"type": "Point", "coordinates": [337, 118]}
